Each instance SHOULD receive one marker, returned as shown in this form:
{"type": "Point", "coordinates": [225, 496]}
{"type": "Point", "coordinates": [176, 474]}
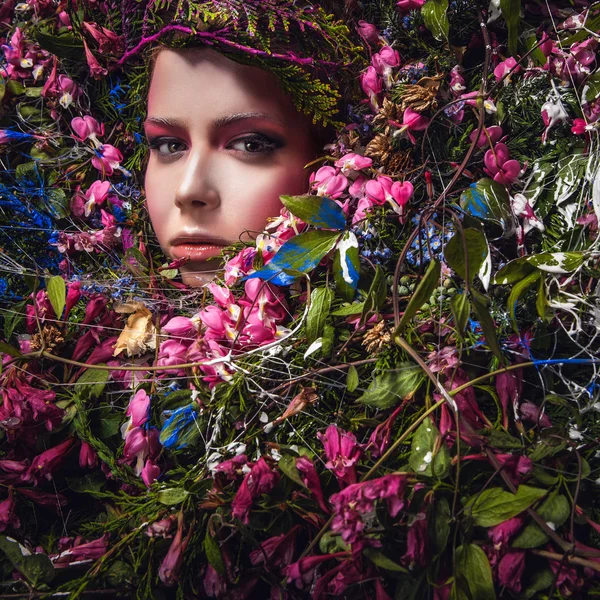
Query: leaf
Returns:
{"type": "Point", "coordinates": [37, 568]}
{"type": "Point", "coordinates": [513, 271]}
{"type": "Point", "coordinates": [473, 568]}
{"type": "Point", "coordinates": [440, 529]}
{"type": "Point", "coordinates": [540, 580]}
{"type": "Point", "coordinates": [63, 45]}
{"type": "Point", "coordinates": [461, 310]}
{"type": "Point", "coordinates": [555, 510]}
{"type": "Point", "coordinates": [59, 204]}
{"type": "Point", "coordinates": [91, 384]}
{"type": "Point", "coordinates": [376, 296]}
{"type": "Point", "coordinates": [316, 210]}
{"type": "Point", "coordinates": [480, 306]}
{"type": "Point", "coordinates": [352, 379]}
{"type": "Point", "coordinates": [516, 292]}
{"type": "Point", "coordinates": [436, 19]}
{"type": "Point", "coordinates": [392, 386]}
{"type": "Point", "coordinates": [8, 349]}
{"type": "Point", "coordinates": [421, 294]}
{"type": "Point", "coordinates": [346, 266]}
{"type": "Point", "coordinates": [495, 505]}
{"type": "Point", "coordinates": [541, 301]}
{"type": "Point", "coordinates": [379, 559]}
{"type": "Point", "coordinates": [302, 254]}
{"type": "Point", "coordinates": [557, 262]}
{"type": "Point", "coordinates": [287, 465]}
{"type": "Point", "coordinates": [320, 305]}
{"type": "Point", "coordinates": [429, 456]}
{"type": "Point", "coordinates": [488, 200]}
{"type": "Point", "coordinates": [348, 311]}
{"type": "Point", "coordinates": [57, 294]}
{"type": "Point", "coordinates": [511, 11]}
{"type": "Point", "coordinates": [477, 250]}
{"type": "Point", "coordinates": [213, 553]}
{"type": "Point", "coordinates": [172, 496]}
{"type": "Point", "coordinates": [180, 429]}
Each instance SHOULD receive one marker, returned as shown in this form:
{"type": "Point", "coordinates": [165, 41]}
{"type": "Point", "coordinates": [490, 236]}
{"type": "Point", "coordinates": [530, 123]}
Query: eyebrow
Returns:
{"type": "Point", "coordinates": [220, 122]}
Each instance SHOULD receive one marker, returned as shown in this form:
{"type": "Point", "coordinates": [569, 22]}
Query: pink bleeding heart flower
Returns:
{"type": "Point", "coordinates": [150, 472]}
{"type": "Point", "coordinates": [107, 159]}
{"type": "Point", "coordinates": [580, 127]}
{"type": "Point", "coordinates": [494, 132]}
{"type": "Point", "coordinates": [553, 112]}
{"type": "Point", "coordinates": [87, 128]}
{"type": "Point", "coordinates": [181, 327]}
{"type": "Point", "coordinates": [96, 194]}
{"type": "Point", "coordinates": [107, 40]}
{"type": "Point", "coordinates": [499, 166]}
{"type": "Point", "coordinates": [371, 85]}
{"type": "Point", "coordinates": [384, 62]}
{"type": "Point", "coordinates": [8, 518]}
{"type": "Point", "coordinates": [411, 121]}
{"type": "Point", "coordinates": [353, 162]}
{"type": "Point", "coordinates": [505, 67]}
{"type": "Point", "coordinates": [138, 412]}
{"type": "Point", "coordinates": [260, 480]}
{"type": "Point", "coordinates": [88, 458]}
{"type": "Point", "coordinates": [368, 32]}
{"type": "Point", "coordinates": [328, 182]}
{"type": "Point", "coordinates": [407, 5]}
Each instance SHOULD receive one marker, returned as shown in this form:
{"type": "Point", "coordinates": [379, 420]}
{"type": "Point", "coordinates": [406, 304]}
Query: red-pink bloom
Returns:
{"type": "Point", "coordinates": [139, 445]}
{"type": "Point", "coordinates": [81, 551]}
{"type": "Point", "coordinates": [73, 295]}
{"type": "Point", "coordinates": [150, 472]}
{"type": "Point", "coordinates": [515, 466]}
{"type": "Point", "coordinates": [510, 570]}
{"type": "Point", "coordinates": [171, 353]}
{"type": "Point", "coordinates": [97, 71]}
{"type": "Point", "coordinates": [310, 478]}
{"type": "Point", "coordinates": [86, 128]}
{"type": "Point", "coordinates": [457, 81]}
{"type": "Point", "coordinates": [335, 582]}
{"type": "Point", "coordinates": [233, 467]}
{"type": "Point", "coordinates": [328, 182]}
{"type": "Point", "coordinates": [368, 32]}
{"type": "Point", "coordinates": [353, 162]}
{"type": "Point", "coordinates": [531, 412]}
{"type": "Point", "coordinates": [8, 518]}
{"type": "Point", "coordinates": [180, 327]}
{"type": "Point", "coordinates": [411, 121]}
{"type": "Point", "coordinates": [88, 458]}
{"type": "Point", "coordinates": [107, 40]}
{"type": "Point", "coordinates": [440, 361]}
{"type": "Point", "coordinates": [553, 112]}
{"type": "Point", "coordinates": [46, 499]}
{"type": "Point", "coordinates": [302, 572]}
{"type": "Point", "coordinates": [107, 158]}
{"type": "Point", "coordinates": [416, 554]}
{"type": "Point", "coordinates": [384, 62]}
{"type": "Point", "coordinates": [579, 127]}
{"type": "Point", "coordinates": [371, 85]}
{"type": "Point", "coordinates": [239, 265]}
{"type": "Point", "coordinates": [498, 165]}
{"type": "Point", "coordinates": [162, 528]}
{"type": "Point", "coordinates": [509, 385]}
{"type": "Point", "coordinates": [494, 133]}
{"type": "Point", "coordinates": [504, 532]}
{"type": "Point", "coordinates": [342, 451]}
{"type": "Point", "coordinates": [260, 480]}
{"type": "Point", "coordinates": [380, 438]}
{"type": "Point", "coordinates": [406, 5]}
{"type": "Point", "coordinates": [168, 571]}
{"type": "Point", "coordinates": [138, 411]}
{"type": "Point", "coordinates": [47, 462]}
{"type": "Point", "coordinates": [94, 308]}
{"type": "Point", "coordinates": [504, 68]}
{"type": "Point", "coordinates": [96, 194]}
{"type": "Point", "coordinates": [277, 551]}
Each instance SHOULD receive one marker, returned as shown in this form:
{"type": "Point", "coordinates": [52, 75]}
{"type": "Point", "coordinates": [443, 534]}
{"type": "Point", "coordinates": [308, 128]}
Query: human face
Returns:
{"type": "Point", "coordinates": [225, 143]}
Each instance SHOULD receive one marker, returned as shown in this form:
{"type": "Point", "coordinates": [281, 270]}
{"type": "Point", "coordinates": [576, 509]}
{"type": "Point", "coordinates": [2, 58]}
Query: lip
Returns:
{"type": "Point", "coordinates": [197, 247]}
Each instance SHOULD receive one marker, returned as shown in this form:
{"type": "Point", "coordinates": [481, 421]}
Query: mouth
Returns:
{"type": "Point", "coordinates": [197, 248]}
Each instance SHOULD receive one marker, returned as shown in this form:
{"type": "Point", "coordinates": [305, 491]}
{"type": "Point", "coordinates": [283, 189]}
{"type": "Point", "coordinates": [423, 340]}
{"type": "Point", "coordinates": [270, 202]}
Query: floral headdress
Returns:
{"type": "Point", "coordinates": [392, 392]}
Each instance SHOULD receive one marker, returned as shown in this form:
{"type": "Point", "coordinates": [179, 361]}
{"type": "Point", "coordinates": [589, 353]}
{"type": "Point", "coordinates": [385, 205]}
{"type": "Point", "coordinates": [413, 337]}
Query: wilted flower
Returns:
{"type": "Point", "coordinates": [342, 451]}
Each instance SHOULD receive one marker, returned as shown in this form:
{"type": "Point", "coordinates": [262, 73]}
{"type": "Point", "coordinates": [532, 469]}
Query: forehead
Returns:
{"type": "Point", "coordinates": [204, 83]}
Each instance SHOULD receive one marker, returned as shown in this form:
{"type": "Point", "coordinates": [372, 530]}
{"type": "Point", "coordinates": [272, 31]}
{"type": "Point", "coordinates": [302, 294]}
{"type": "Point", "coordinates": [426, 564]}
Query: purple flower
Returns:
{"type": "Point", "coordinates": [510, 570]}
{"type": "Point", "coordinates": [342, 451]}
{"type": "Point", "coordinates": [261, 480]}
{"type": "Point", "coordinates": [7, 512]}
{"type": "Point", "coordinates": [277, 551]}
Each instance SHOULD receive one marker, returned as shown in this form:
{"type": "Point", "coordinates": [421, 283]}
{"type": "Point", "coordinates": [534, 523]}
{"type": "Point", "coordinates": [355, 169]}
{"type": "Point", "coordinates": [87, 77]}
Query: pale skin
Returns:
{"type": "Point", "coordinates": [234, 143]}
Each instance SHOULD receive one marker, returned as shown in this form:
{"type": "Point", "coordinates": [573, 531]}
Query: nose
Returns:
{"type": "Point", "coordinates": [197, 187]}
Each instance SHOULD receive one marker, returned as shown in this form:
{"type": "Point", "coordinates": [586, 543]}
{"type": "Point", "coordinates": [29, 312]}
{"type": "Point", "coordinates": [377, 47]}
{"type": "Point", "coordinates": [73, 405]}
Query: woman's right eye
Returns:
{"type": "Point", "coordinates": [165, 144]}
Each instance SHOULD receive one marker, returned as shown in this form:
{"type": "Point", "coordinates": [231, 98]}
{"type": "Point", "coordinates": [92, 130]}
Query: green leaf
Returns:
{"type": "Point", "coordinates": [348, 311]}
{"type": "Point", "coordinates": [513, 271]}
{"type": "Point", "coordinates": [59, 203]}
{"type": "Point", "coordinates": [436, 19]}
{"type": "Point", "coordinates": [352, 379]}
{"type": "Point", "coordinates": [477, 250]}
{"type": "Point", "coordinates": [320, 305]}
{"type": "Point", "coordinates": [63, 45]}
{"type": "Point", "coordinates": [316, 210]}
{"type": "Point", "coordinates": [391, 387]}
{"type": "Point", "coordinates": [421, 294]}
{"type": "Point", "coordinates": [8, 349]}
{"type": "Point", "coordinates": [555, 510]}
{"type": "Point", "coordinates": [429, 456]}
{"type": "Point", "coordinates": [440, 530]}
{"type": "Point", "coordinates": [92, 383]}
{"type": "Point", "coordinates": [88, 484]}
{"type": "Point", "coordinates": [57, 294]}
{"type": "Point", "coordinates": [557, 262]}
{"type": "Point", "coordinates": [302, 254]}
{"type": "Point", "coordinates": [480, 306]}
{"type": "Point", "coordinates": [172, 496]}
{"type": "Point", "coordinates": [488, 200]}
{"type": "Point", "coordinates": [511, 11]}
{"type": "Point", "coordinates": [346, 266]}
{"type": "Point", "coordinates": [495, 505]}
{"type": "Point", "coordinates": [376, 296]}
{"type": "Point", "coordinates": [287, 465]}
{"type": "Point", "coordinates": [37, 568]}
{"type": "Point", "coordinates": [540, 580]}
{"type": "Point", "coordinates": [379, 559]}
{"type": "Point", "coordinates": [518, 289]}
{"type": "Point", "coordinates": [213, 553]}
{"type": "Point", "coordinates": [461, 310]}
{"type": "Point", "coordinates": [474, 571]}
{"type": "Point", "coordinates": [541, 302]}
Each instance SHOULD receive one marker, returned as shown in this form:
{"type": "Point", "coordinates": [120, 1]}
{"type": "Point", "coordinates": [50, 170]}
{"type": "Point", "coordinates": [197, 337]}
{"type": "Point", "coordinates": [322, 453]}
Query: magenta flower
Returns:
{"type": "Point", "coordinates": [384, 62]}
{"type": "Point", "coordinates": [531, 412]}
{"type": "Point", "coordinates": [96, 70]}
{"type": "Point", "coordinates": [88, 458]}
{"type": "Point", "coordinates": [406, 5]}
{"type": "Point", "coordinates": [553, 112]}
{"type": "Point", "coordinates": [416, 554]}
{"type": "Point", "coordinates": [162, 528]}
{"type": "Point", "coordinates": [8, 518]}
{"type": "Point", "coordinates": [503, 68]}
{"type": "Point", "coordinates": [328, 182]}
{"type": "Point", "coordinates": [342, 451]}
{"type": "Point", "coordinates": [580, 127]}
{"type": "Point", "coordinates": [510, 570]}
{"type": "Point", "coordinates": [368, 32]}
{"type": "Point", "coordinates": [87, 128]}
{"type": "Point", "coordinates": [353, 162]}
{"type": "Point", "coordinates": [371, 85]}
{"type": "Point", "coordinates": [94, 308]}
{"type": "Point", "coordinates": [379, 440]}
{"type": "Point", "coordinates": [150, 472]}
{"type": "Point", "coordinates": [397, 193]}
{"type": "Point", "coordinates": [260, 480]}
{"type": "Point", "coordinates": [138, 412]}
{"type": "Point", "coordinates": [411, 121]}
{"type": "Point", "coordinates": [503, 533]}
{"type": "Point", "coordinates": [498, 165]}
{"type": "Point", "coordinates": [302, 572]}
{"type": "Point", "coordinates": [107, 159]}
{"type": "Point", "coordinates": [96, 194]}
{"type": "Point", "coordinates": [171, 353]}
{"type": "Point", "coordinates": [139, 445]}
{"type": "Point", "coordinates": [180, 327]}
{"type": "Point", "coordinates": [107, 40]}
{"type": "Point", "coordinates": [168, 571]}
{"type": "Point", "coordinates": [277, 551]}
{"type": "Point", "coordinates": [494, 132]}
{"type": "Point", "coordinates": [73, 296]}
{"type": "Point", "coordinates": [233, 467]}
{"type": "Point", "coordinates": [310, 478]}
{"type": "Point", "coordinates": [81, 551]}
{"type": "Point", "coordinates": [457, 81]}
{"type": "Point", "coordinates": [44, 465]}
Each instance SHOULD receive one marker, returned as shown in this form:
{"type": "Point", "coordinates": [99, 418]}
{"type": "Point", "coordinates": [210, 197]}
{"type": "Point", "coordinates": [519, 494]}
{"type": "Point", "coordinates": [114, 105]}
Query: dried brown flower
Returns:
{"type": "Point", "coordinates": [377, 338]}
{"type": "Point", "coordinates": [49, 338]}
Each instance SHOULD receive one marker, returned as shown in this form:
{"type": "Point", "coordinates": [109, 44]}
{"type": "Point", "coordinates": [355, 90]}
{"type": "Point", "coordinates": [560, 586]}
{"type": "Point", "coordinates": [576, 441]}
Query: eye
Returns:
{"type": "Point", "coordinates": [256, 144]}
{"type": "Point", "coordinates": [167, 144]}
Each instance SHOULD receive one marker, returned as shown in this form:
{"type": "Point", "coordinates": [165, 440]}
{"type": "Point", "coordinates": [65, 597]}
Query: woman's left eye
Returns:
{"type": "Point", "coordinates": [255, 144]}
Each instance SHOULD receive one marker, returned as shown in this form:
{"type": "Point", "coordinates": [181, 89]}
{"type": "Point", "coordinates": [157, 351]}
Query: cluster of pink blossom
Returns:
{"type": "Point", "coordinates": [93, 240]}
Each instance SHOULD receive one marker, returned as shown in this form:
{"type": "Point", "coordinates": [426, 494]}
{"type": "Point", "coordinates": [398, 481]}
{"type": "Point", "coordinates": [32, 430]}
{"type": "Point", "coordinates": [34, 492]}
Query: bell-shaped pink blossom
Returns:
{"type": "Point", "coordinates": [488, 135]}
{"type": "Point", "coordinates": [171, 353]}
{"type": "Point", "coordinates": [86, 127]}
{"type": "Point", "coordinates": [73, 296]}
{"type": "Point", "coordinates": [67, 90]}
{"type": "Point", "coordinates": [150, 472]}
{"type": "Point", "coordinates": [88, 458]}
{"type": "Point", "coordinates": [328, 182]}
{"type": "Point", "coordinates": [107, 159]}
{"type": "Point", "coordinates": [80, 550]}
{"type": "Point", "coordinates": [342, 451]}
{"type": "Point", "coordinates": [232, 468]}
{"type": "Point", "coordinates": [510, 570]}
{"type": "Point", "coordinates": [277, 551]}
{"type": "Point", "coordinates": [97, 71]}
{"type": "Point", "coordinates": [139, 445]}
{"type": "Point", "coordinates": [407, 5]}
{"type": "Point", "coordinates": [353, 162]}
{"type": "Point", "coordinates": [181, 327]}
{"type": "Point", "coordinates": [310, 478]}
{"type": "Point", "coordinates": [368, 32]}
{"type": "Point", "coordinates": [503, 533]}
{"type": "Point", "coordinates": [499, 165]}
{"type": "Point", "coordinates": [384, 62]}
{"type": "Point", "coordinates": [260, 480]}
{"type": "Point", "coordinates": [505, 67]}
{"type": "Point", "coordinates": [8, 518]}
{"type": "Point", "coordinates": [372, 85]}
{"type": "Point", "coordinates": [108, 41]}
{"type": "Point", "coordinates": [44, 465]}
{"type": "Point", "coordinates": [138, 411]}
{"type": "Point", "coordinates": [416, 554]}
{"type": "Point", "coordinates": [96, 194]}
{"type": "Point", "coordinates": [411, 121]}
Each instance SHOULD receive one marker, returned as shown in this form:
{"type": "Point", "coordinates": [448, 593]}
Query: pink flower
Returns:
{"type": "Point", "coordinates": [342, 451]}
{"type": "Point", "coordinates": [8, 518]}
{"type": "Point", "coordinates": [239, 265]}
{"type": "Point", "coordinates": [96, 70]}
{"type": "Point", "coordinates": [94, 308]}
{"type": "Point", "coordinates": [302, 572]}
{"type": "Point", "coordinates": [368, 32]}
{"type": "Point", "coordinates": [233, 467]}
{"type": "Point", "coordinates": [553, 112]}
{"type": "Point", "coordinates": [47, 462]}
{"type": "Point", "coordinates": [504, 532]}
{"type": "Point", "coordinates": [171, 353]}
{"type": "Point", "coordinates": [73, 296]}
{"type": "Point", "coordinates": [494, 132]}
{"type": "Point", "coordinates": [498, 165]}
{"type": "Point", "coordinates": [150, 472]}
{"type": "Point", "coordinates": [384, 190]}
{"type": "Point", "coordinates": [107, 159]}
{"type": "Point", "coordinates": [371, 85]}
{"type": "Point", "coordinates": [161, 528]}
{"type": "Point", "coordinates": [88, 458]}
{"type": "Point", "coordinates": [510, 570]}
{"type": "Point", "coordinates": [446, 358]}
{"type": "Point", "coordinates": [180, 327]}
{"type": "Point", "coordinates": [531, 412]}
{"type": "Point", "coordinates": [379, 439]}
{"type": "Point", "coordinates": [277, 551]}
{"type": "Point", "coordinates": [96, 194]}
{"type": "Point", "coordinates": [353, 162]}
{"type": "Point", "coordinates": [384, 62]}
{"type": "Point", "coordinates": [310, 478]}
{"type": "Point", "coordinates": [86, 128]}
{"type": "Point", "coordinates": [107, 40]}
{"type": "Point", "coordinates": [328, 182]}
{"type": "Point", "coordinates": [585, 52]}
{"type": "Point", "coordinates": [138, 412]}
{"type": "Point", "coordinates": [457, 81]}
{"type": "Point", "coordinates": [406, 5]}
{"type": "Point", "coordinates": [411, 121]}
{"type": "Point", "coordinates": [416, 554]}
{"type": "Point", "coordinates": [260, 480]}
{"type": "Point", "coordinates": [81, 551]}
{"type": "Point", "coordinates": [509, 385]}
{"type": "Point", "coordinates": [139, 445]}
{"type": "Point", "coordinates": [168, 571]}
{"type": "Point", "coordinates": [579, 127]}
{"type": "Point", "coordinates": [503, 68]}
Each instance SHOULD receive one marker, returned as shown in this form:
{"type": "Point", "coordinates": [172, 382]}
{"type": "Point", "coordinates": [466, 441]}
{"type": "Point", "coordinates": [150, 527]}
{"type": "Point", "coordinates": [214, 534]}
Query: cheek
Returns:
{"type": "Point", "coordinates": [157, 200]}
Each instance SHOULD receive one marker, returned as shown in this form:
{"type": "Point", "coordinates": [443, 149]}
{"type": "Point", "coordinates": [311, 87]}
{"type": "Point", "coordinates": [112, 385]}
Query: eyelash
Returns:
{"type": "Point", "coordinates": [269, 144]}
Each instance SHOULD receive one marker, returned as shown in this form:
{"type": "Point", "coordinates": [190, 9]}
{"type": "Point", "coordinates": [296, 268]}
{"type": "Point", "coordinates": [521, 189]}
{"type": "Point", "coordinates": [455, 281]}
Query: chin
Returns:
{"type": "Point", "coordinates": [197, 278]}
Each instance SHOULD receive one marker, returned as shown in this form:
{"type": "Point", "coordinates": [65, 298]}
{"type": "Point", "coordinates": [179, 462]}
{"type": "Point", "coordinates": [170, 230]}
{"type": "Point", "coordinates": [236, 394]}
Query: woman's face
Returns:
{"type": "Point", "coordinates": [225, 143]}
